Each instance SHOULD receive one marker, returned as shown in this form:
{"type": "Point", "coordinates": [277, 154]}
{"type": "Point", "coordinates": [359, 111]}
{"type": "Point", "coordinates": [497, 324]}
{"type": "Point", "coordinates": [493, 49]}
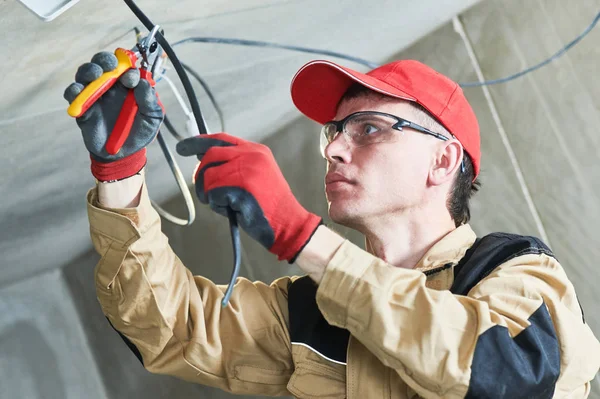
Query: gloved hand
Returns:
{"type": "Point", "coordinates": [245, 177]}
{"type": "Point", "coordinates": [97, 123]}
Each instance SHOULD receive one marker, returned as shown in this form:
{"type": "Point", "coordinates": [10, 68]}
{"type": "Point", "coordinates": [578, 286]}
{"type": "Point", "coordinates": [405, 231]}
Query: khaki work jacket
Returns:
{"type": "Point", "coordinates": [369, 330]}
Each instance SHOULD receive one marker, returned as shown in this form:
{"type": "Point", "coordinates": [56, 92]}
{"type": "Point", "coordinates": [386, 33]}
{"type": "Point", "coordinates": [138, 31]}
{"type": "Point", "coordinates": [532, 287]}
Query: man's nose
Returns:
{"type": "Point", "coordinates": [339, 150]}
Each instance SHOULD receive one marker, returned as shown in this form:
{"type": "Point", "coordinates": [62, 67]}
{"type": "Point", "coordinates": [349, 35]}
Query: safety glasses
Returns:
{"type": "Point", "coordinates": [371, 127]}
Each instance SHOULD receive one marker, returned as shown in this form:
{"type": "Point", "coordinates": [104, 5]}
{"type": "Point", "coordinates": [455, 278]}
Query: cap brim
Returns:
{"type": "Point", "coordinates": [319, 86]}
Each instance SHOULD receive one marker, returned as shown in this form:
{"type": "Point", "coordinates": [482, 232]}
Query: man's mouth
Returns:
{"type": "Point", "coordinates": [332, 178]}
{"type": "Point", "coordinates": [336, 181]}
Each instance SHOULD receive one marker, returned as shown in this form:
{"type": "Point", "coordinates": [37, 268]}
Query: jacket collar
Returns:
{"type": "Point", "coordinates": [450, 249]}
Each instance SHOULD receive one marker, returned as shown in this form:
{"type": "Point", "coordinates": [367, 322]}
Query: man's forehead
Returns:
{"type": "Point", "coordinates": [373, 102]}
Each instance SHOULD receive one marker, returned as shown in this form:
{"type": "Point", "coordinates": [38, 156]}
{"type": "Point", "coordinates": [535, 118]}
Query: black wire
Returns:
{"type": "Point", "coordinates": [208, 93]}
{"type": "Point", "coordinates": [258, 43]}
{"type": "Point", "coordinates": [187, 85]}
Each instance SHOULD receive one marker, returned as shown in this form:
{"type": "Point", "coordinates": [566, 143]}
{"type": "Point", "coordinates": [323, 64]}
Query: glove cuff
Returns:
{"type": "Point", "coordinates": [290, 249]}
{"type": "Point", "coordinates": [119, 170]}
{"type": "Point", "coordinates": [293, 259]}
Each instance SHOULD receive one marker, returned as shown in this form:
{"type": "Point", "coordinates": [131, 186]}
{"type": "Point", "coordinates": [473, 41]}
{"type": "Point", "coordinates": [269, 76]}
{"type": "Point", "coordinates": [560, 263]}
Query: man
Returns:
{"type": "Point", "coordinates": [427, 311]}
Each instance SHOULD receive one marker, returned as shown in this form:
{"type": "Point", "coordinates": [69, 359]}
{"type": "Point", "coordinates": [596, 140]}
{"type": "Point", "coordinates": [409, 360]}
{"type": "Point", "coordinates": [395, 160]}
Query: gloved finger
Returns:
{"type": "Point", "coordinates": [87, 73]}
{"type": "Point", "coordinates": [131, 78]}
{"type": "Point", "coordinates": [146, 98]}
{"type": "Point", "coordinates": [200, 179]}
{"type": "Point", "coordinates": [105, 60]}
{"type": "Point", "coordinates": [199, 145]}
{"type": "Point", "coordinates": [72, 91]}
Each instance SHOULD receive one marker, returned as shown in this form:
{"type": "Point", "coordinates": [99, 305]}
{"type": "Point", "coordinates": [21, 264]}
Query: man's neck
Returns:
{"type": "Point", "coordinates": [402, 241]}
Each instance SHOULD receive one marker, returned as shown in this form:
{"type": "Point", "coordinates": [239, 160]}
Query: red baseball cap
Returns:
{"type": "Point", "coordinates": [319, 86]}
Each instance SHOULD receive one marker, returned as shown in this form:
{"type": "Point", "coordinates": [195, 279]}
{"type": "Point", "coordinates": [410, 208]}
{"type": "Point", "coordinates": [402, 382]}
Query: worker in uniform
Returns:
{"type": "Point", "coordinates": [428, 309]}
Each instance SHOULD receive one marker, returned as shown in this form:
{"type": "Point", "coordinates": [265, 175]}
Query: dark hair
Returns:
{"type": "Point", "coordinates": [463, 189]}
{"type": "Point", "coordinates": [464, 186]}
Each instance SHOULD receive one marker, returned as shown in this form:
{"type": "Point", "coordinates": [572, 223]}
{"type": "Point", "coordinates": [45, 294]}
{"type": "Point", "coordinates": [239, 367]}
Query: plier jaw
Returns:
{"type": "Point", "coordinates": [147, 49]}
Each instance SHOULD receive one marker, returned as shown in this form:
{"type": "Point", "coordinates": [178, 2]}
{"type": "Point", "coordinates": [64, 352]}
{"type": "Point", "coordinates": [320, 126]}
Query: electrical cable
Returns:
{"type": "Point", "coordinates": [209, 93]}
{"type": "Point", "coordinates": [370, 64]}
{"type": "Point", "coordinates": [258, 43]}
{"type": "Point", "coordinates": [202, 129]}
{"type": "Point", "coordinates": [556, 55]}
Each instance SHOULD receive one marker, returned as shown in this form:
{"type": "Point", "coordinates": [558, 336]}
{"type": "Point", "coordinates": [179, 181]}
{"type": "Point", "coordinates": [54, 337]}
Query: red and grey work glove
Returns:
{"type": "Point", "coordinates": [98, 121]}
{"type": "Point", "coordinates": [241, 175]}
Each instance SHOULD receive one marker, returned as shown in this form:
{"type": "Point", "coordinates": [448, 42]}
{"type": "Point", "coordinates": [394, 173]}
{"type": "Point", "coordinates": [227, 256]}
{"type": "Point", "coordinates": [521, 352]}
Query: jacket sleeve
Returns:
{"type": "Point", "coordinates": [502, 339]}
{"type": "Point", "coordinates": [173, 321]}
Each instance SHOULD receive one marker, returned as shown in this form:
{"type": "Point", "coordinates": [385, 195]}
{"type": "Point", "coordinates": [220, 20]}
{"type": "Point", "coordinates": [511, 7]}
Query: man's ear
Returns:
{"type": "Point", "coordinates": [446, 163]}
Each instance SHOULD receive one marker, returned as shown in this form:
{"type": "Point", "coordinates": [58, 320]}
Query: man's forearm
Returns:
{"type": "Point", "coordinates": [318, 252]}
{"type": "Point", "coordinates": [312, 260]}
{"type": "Point", "coordinates": [122, 194]}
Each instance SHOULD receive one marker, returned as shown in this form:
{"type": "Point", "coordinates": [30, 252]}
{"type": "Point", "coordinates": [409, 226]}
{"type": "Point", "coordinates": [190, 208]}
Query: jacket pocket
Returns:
{"type": "Point", "coordinates": [250, 373]}
{"type": "Point", "coordinates": [316, 380]}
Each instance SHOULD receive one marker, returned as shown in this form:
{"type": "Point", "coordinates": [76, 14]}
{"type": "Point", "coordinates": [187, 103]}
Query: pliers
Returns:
{"type": "Point", "coordinates": [148, 51]}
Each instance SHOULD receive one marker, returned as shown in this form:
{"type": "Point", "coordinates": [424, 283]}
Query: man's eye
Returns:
{"type": "Point", "coordinates": [370, 129]}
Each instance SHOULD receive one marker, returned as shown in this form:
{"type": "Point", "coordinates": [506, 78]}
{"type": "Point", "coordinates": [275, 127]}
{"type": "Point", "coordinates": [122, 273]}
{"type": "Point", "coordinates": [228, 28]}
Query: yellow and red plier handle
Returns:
{"type": "Point", "coordinates": [126, 59]}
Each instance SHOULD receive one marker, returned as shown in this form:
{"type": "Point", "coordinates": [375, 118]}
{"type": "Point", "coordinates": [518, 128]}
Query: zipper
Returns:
{"type": "Point", "coordinates": [437, 269]}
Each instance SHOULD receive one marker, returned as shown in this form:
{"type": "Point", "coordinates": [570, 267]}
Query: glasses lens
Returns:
{"type": "Point", "coordinates": [328, 133]}
{"type": "Point", "coordinates": [367, 128]}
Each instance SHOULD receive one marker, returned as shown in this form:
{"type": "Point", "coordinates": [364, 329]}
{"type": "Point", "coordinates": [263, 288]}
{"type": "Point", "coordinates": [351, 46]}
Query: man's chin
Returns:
{"type": "Point", "coordinates": [342, 214]}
